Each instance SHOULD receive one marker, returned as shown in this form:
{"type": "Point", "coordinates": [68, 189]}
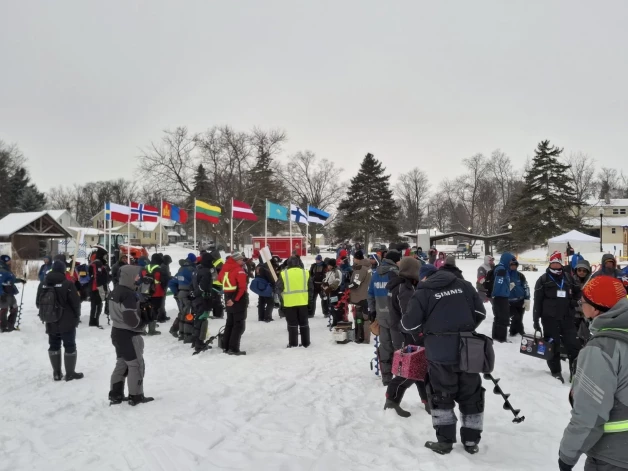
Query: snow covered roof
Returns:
{"type": "Point", "coordinates": [13, 222]}
{"type": "Point", "coordinates": [613, 202]}
{"type": "Point", "coordinates": [56, 213]}
{"type": "Point", "coordinates": [574, 236]}
{"type": "Point", "coordinates": [88, 231]}
{"type": "Point", "coordinates": [606, 221]}
{"type": "Point", "coordinates": [174, 234]}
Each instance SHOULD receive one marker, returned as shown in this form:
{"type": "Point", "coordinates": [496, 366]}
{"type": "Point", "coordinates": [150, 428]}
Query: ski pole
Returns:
{"type": "Point", "coordinates": [507, 406]}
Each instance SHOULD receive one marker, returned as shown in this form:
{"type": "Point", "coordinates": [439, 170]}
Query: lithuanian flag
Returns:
{"type": "Point", "coordinates": [207, 212]}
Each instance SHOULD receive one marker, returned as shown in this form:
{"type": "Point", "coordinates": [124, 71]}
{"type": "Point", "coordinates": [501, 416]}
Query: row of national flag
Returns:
{"type": "Point", "coordinates": [139, 212]}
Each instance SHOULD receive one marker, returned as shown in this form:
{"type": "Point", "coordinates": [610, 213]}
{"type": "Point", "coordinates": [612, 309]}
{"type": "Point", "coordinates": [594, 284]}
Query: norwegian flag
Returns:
{"type": "Point", "coordinates": [143, 213]}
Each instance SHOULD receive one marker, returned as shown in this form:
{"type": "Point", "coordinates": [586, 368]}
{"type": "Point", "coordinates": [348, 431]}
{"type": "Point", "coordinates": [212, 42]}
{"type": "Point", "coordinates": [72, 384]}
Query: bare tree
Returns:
{"type": "Point", "coordinates": [62, 198]}
{"type": "Point", "coordinates": [412, 190]}
{"type": "Point", "coordinates": [582, 172]}
{"type": "Point", "coordinates": [169, 165]}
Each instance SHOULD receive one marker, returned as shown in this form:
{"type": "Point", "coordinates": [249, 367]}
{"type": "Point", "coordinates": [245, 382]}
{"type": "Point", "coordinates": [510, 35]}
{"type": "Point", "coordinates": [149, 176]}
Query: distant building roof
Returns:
{"type": "Point", "coordinates": [612, 202]}
{"type": "Point", "coordinates": [606, 221]}
{"type": "Point", "coordinates": [13, 222]}
{"type": "Point", "coordinates": [174, 234]}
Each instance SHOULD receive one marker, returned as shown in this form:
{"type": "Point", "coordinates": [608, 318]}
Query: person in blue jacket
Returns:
{"type": "Point", "coordinates": [45, 268]}
{"type": "Point", "coordinates": [519, 298]}
{"type": "Point", "coordinates": [181, 287]}
{"type": "Point", "coordinates": [8, 290]}
{"type": "Point", "coordinates": [501, 297]}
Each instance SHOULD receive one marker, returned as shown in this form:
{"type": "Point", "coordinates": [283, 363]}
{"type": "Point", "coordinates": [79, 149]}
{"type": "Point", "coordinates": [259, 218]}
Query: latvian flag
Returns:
{"type": "Point", "coordinates": [240, 210]}
{"type": "Point", "coordinates": [316, 216]}
{"type": "Point", "coordinates": [143, 213]}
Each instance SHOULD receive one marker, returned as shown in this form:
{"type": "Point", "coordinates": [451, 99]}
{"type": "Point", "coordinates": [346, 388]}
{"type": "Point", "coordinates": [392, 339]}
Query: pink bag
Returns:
{"type": "Point", "coordinates": [410, 362]}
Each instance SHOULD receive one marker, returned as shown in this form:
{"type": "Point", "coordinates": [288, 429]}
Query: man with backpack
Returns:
{"type": "Point", "coordinates": [442, 307]}
{"type": "Point", "coordinates": [264, 286]}
{"type": "Point", "coordinates": [599, 394]}
{"type": "Point", "coordinates": [152, 290]}
{"type": "Point", "coordinates": [128, 322]}
{"type": "Point", "coordinates": [203, 284]}
{"type": "Point", "coordinates": [166, 276]}
{"type": "Point", "coordinates": [181, 287]}
{"type": "Point", "coordinates": [8, 290]}
{"type": "Point", "coordinates": [59, 307]}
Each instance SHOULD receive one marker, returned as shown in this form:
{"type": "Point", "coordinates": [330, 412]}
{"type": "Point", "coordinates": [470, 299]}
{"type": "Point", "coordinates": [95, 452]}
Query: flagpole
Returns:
{"type": "Point", "coordinates": [161, 217]}
{"type": "Point", "coordinates": [195, 224]}
{"type": "Point", "coordinates": [109, 247]}
{"type": "Point", "coordinates": [290, 220]}
{"type": "Point", "coordinates": [266, 226]}
{"type": "Point", "coordinates": [307, 228]}
{"type": "Point", "coordinates": [128, 230]}
{"type": "Point", "coordinates": [231, 245]}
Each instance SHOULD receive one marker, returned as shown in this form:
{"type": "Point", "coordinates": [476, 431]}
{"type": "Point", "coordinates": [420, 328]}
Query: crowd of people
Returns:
{"type": "Point", "coordinates": [584, 314]}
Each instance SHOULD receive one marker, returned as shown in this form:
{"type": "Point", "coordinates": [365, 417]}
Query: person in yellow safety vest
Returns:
{"type": "Point", "coordinates": [296, 289]}
{"type": "Point", "coordinates": [216, 297]}
{"type": "Point", "coordinates": [599, 394]}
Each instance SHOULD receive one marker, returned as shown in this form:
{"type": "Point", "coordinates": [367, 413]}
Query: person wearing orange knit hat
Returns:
{"type": "Point", "coordinates": [599, 394]}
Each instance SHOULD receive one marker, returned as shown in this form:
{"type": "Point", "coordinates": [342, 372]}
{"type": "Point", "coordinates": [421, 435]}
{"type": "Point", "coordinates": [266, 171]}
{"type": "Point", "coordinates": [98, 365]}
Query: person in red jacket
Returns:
{"type": "Point", "coordinates": [234, 286]}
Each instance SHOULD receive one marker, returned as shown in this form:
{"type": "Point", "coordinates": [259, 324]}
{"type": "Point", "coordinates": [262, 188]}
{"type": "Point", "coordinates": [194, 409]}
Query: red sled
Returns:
{"type": "Point", "coordinates": [410, 363]}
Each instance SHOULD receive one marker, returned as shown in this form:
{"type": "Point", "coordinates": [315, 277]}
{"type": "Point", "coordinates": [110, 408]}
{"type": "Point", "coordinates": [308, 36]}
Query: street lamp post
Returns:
{"type": "Point", "coordinates": [601, 228]}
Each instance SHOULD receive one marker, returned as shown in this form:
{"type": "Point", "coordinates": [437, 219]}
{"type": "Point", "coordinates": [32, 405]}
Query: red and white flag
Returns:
{"type": "Point", "coordinates": [242, 210]}
{"type": "Point", "coordinates": [143, 213]}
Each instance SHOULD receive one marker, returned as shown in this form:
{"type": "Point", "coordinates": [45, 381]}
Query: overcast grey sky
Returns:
{"type": "Point", "coordinates": [84, 84]}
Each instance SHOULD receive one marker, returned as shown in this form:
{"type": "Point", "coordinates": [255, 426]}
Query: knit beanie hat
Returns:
{"type": "Point", "coordinates": [603, 292]}
{"type": "Point", "coordinates": [393, 255]}
{"type": "Point", "coordinates": [191, 257]}
{"type": "Point", "coordinates": [427, 270]}
{"type": "Point", "coordinates": [332, 262]}
{"type": "Point", "coordinates": [359, 255]}
{"type": "Point", "coordinates": [556, 257]}
{"type": "Point", "coordinates": [409, 267]}
{"type": "Point", "coordinates": [450, 260]}
{"type": "Point", "coordinates": [58, 266]}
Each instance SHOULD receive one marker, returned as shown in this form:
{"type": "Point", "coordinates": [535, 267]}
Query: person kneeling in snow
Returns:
{"type": "Point", "coordinates": [599, 395]}
{"type": "Point", "coordinates": [126, 336]}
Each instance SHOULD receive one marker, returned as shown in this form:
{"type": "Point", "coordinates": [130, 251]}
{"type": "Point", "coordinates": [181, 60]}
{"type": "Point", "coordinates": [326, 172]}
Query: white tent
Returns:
{"type": "Point", "coordinates": [580, 242]}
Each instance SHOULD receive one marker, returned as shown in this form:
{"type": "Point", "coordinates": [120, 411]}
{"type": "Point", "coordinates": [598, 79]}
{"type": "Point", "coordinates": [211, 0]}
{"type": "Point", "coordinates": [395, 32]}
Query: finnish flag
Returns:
{"type": "Point", "coordinates": [298, 215]}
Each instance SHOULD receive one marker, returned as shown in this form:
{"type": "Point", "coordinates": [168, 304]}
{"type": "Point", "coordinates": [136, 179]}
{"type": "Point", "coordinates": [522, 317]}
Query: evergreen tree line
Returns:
{"type": "Point", "coordinates": [17, 192]}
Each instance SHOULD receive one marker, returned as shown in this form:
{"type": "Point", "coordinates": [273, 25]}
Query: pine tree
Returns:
{"type": "Point", "coordinates": [30, 199]}
{"type": "Point", "coordinates": [264, 184]}
{"type": "Point", "coordinates": [547, 205]}
{"type": "Point", "coordinates": [369, 209]}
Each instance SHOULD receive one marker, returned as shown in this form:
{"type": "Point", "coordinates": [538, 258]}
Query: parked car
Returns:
{"type": "Point", "coordinates": [462, 248]}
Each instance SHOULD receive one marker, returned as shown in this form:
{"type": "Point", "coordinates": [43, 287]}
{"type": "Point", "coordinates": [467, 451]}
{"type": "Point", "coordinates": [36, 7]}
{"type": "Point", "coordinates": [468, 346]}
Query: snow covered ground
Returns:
{"type": "Point", "coordinates": [319, 408]}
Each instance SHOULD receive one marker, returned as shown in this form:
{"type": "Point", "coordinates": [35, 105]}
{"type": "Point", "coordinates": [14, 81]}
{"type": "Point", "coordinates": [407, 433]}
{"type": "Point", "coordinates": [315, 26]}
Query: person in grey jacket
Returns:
{"type": "Point", "coordinates": [127, 326]}
{"type": "Point", "coordinates": [599, 394]}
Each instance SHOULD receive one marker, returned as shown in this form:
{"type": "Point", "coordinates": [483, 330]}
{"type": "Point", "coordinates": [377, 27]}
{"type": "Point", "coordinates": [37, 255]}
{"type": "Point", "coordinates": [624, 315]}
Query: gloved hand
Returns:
{"type": "Point", "coordinates": [372, 316]}
{"type": "Point", "coordinates": [537, 326]}
{"type": "Point", "coordinates": [562, 466]}
{"type": "Point", "coordinates": [526, 305]}
{"type": "Point", "coordinates": [512, 286]}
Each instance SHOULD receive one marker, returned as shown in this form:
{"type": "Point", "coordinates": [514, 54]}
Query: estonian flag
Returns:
{"type": "Point", "coordinates": [316, 216]}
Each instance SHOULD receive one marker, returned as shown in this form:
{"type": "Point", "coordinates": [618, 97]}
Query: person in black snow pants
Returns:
{"type": "Point", "coordinates": [126, 337]}
{"type": "Point", "coordinates": [402, 288]}
{"type": "Point", "coordinates": [554, 308]}
{"type": "Point", "coordinates": [98, 283]}
{"type": "Point", "coordinates": [318, 270]}
{"type": "Point", "coordinates": [441, 307]}
{"type": "Point", "coordinates": [59, 307]}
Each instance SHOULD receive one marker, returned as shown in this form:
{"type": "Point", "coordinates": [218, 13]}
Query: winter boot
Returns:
{"type": "Point", "coordinates": [152, 328]}
{"type": "Point", "coordinates": [393, 405]}
{"type": "Point", "coordinates": [471, 449]}
{"type": "Point", "coordinates": [293, 336]}
{"type": "Point", "coordinates": [236, 353]}
{"type": "Point", "coordinates": [55, 361]}
{"type": "Point", "coordinates": [441, 448]}
{"type": "Point", "coordinates": [305, 335]}
{"type": "Point", "coordinates": [139, 399]}
{"type": "Point", "coordinates": [559, 377]}
{"type": "Point", "coordinates": [116, 395]}
{"type": "Point", "coordinates": [4, 322]}
{"type": "Point", "coordinates": [70, 363]}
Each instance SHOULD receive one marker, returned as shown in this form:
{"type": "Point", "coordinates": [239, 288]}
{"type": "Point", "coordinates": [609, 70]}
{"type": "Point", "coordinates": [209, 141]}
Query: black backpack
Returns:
{"type": "Point", "coordinates": [50, 311]}
{"type": "Point", "coordinates": [147, 284]}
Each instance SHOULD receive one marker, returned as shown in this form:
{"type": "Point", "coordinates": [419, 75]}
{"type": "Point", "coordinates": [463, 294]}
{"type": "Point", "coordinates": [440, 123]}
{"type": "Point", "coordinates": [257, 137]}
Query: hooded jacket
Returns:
{"type": "Point", "coordinates": [233, 275]}
{"type": "Point", "coordinates": [377, 292]}
{"type": "Point", "coordinates": [45, 268]}
{"type": "Point", "coordinates": [579, 284]}
{"type": "Point", "coordinates": [7, 280]}
{"type": "Point", "coordinates": [440, 261]}
{"type": "Point", "coordinates": [600, 394]}
{"type": "Point", "coordinates": [442, 306]}
{"type": "Point", "coordinates": [616, 273]}
{"type": "Point", "coordinates": [401, 289]}
{"type": "Point", "coordinates": [204, 276]}
{"type": "Point", "coordinates": [123, 301]}
{"type": "Point", "coordinates": [482, 272]}
{"type": "Point", "coordinates": [521, 290]}
{"type": "Point", "coordinates": [317, 272]}
{"type": "Point", "coordinates": [501, 278]}
{"type": "Point", "coordinates": [333, 280]}
{"type": "Point", "coordinates": [68, 299]}
{"type": "Point", "coordinates": [360, 280]}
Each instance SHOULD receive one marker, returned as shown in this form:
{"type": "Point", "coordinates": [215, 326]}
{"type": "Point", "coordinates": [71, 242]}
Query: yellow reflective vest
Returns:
{"type": "Point", "coordinates": [295, 284]}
